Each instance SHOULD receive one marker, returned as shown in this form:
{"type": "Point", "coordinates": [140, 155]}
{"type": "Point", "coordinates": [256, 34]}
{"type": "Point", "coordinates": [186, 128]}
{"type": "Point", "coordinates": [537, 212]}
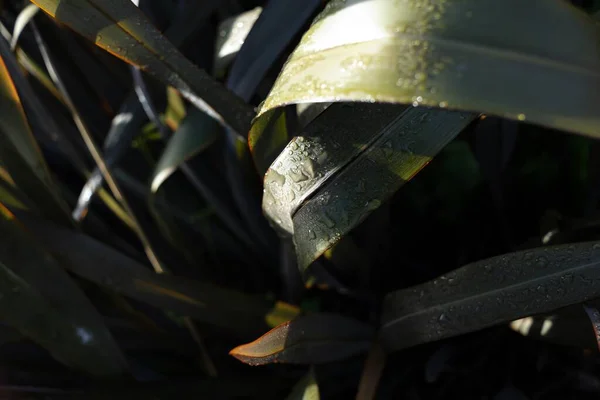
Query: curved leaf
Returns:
{"type": "Point", "coordinates": [196, 133]}
{"type": "Point", "coordinates": [490, 292]}
{"type": "Point", "coordinates": [313, 339]}
{"type": "Point", "coordinates": [121, 29]}
{"type": "Point", "coordinates": [42, 302]}
{"type": "Point", "coordinates": [518, 60]}
{"type": "Point", "coordinates": [277, 25]}
{"type": "Point", "coordinates": [232, 34]}
{"type": "Point", "coordinates": [345, 164]}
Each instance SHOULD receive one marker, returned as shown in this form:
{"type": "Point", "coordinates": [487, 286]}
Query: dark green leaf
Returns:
{"type": "Point", "coordinates": [105, 266]}
{"type": "Point", "coordinates": [313, 339]}
{"type": "Point", "coordinates": [43, 303]}
{"type": "Point", "coordinates": [490, 292]}
{"type": "Point", "coordinates": [19, 153]}
{"type": "Point", "coordinates": [121, 29]}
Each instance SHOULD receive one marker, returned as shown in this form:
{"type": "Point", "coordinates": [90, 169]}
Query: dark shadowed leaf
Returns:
{"type": "Point", "coordinates": [490, 292]}
{"type": "Point", "coordinates": [19, 153]}
{"type": "Point", "coordinates": [313, 339]}
{"type": "Point", "coordinates": [123, 30]}
{"type": "Point", "coordinates": [569, 326]}
{"type": "Point", "coordinates": [107, 267]}
{"type": "Point", "coordinates": [43, 303]}
{"type": "Point", "coordinates": [277, 25]}
{"type": "Point", "coordinates": [21, 22]}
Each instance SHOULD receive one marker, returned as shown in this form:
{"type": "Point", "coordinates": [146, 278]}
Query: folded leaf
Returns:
{"type": "Point", "coordinates": [41, 301]}
{"type": "Point", "coordinates": [327, 180]}
{"type": "Point", "coordinates": [490, 292]}
{"type": "Point", "coordinates": [313, 339]}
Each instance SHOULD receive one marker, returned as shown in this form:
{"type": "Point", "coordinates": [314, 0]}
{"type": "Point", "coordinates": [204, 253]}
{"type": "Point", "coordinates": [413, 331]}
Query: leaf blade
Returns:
{"type": "Point", "coordinates": [312, 339]}
{"type": "Point", "coordinates": [491, 291]}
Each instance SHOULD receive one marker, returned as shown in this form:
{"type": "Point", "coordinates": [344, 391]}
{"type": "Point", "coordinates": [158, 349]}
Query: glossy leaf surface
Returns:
{"type": "Point", "coordinates": [490, 292]}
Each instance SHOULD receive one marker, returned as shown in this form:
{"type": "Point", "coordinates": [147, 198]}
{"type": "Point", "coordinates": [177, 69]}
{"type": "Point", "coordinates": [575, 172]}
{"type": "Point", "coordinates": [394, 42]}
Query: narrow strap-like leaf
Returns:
{"type": "Point", "coordinates": [121, 29]}
{"type": "Point", "coordinates": [490, 292]}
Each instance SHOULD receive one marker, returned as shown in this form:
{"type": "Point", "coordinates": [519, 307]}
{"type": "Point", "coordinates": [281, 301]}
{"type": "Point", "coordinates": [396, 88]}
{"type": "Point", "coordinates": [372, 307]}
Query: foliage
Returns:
{"type": "Point", "coordinates": [388, 199]}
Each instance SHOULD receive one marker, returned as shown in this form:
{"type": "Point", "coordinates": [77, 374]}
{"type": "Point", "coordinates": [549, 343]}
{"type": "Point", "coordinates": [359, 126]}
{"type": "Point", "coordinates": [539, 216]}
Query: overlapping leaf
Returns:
{"type": "Point", "coordinates": [121, 29]}
{"type": "Point", "coordinates": [105, 266]}
{"type": "Point", "coordinates": [42, 302]}
{"type": "Point", "coordinates": [313, 339]}
{"type": "Point", "coordinates": [490, 292]}
{"type": "Point", "coordinates": [19, 153]}
{"type": "Point", "coordinates": [522, 61]}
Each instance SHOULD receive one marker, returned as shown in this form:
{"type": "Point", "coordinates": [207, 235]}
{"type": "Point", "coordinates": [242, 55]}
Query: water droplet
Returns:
{"type": "Point", "coordinates": [330, 223]}
{"type": "Point", "coordinates": [521, 117]}
{"type": "Point", "coordinates": [442, 317]}
{"type": "Point", "coordinates": [293, 146]}
{"type": "Point", "coordinates": [443, 104]}
{"type": "Point", "coordinates": [311, 234]}
{"type": "Point", "coordinates": [276, 177]}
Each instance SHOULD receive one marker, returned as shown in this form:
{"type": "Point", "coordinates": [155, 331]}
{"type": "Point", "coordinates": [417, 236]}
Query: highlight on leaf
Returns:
{"type": "Point", "coordinates": [312, 339]}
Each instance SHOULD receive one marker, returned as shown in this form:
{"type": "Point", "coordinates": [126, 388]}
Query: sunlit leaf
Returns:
{"type": "Point", "coordinates": [94, 261]}
{"type": "Point", "coordinates": [277, 25]}
{"type": "Point", "coordinates": [232, 34]}
{"type": "Point", "coordinates": [345, 164]}
{"type": "Point", "coordinates": [43, 303]}
{"type": "Point", "coordinates": [425, 53]}
{"type": "Point", "coordinates": [21, 22]}
{"type": "Point", "coordinates": [306, 389]}
{"type": "Point", "coordinates": [491, 292]}
{"type": "Point", "coordinates": [196, 133]}
{"type": "Point", "coordinates": [569, 326]}
{"type": "Point", "coordinates": [313, 339]}
{"type": "Point", "coordinates": [121, 29]}
{"type": "Point", "coordinates": [371, 375]}
{"type": "Point", "coordinates": [518, 60]}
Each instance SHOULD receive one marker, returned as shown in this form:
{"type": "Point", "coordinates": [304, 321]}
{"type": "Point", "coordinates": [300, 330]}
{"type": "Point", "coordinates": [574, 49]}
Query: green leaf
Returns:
{"type": "Point", "coordinates": [232, 34]}
{"type": "Point", "coordinates": [92, 260]}
{"type": "Point", "coordinates": [313, 339]}
{"type": "Point", "coordinates": [19, 152]}
{"type": "Point", "coordinates": [345, 164]}
{"type": "Point", "coordinates": [121, 29]}
{"type": "Point", "coordinates": [491, 292]}
{"type": "Point", "coordinates": [196, 133]}
{"type": "Point", "coordinates": [42, 302]}
{"type": "Point", "coordinates": [524, 61]}
{"type": "Point", "coordinates": [306, 389]}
